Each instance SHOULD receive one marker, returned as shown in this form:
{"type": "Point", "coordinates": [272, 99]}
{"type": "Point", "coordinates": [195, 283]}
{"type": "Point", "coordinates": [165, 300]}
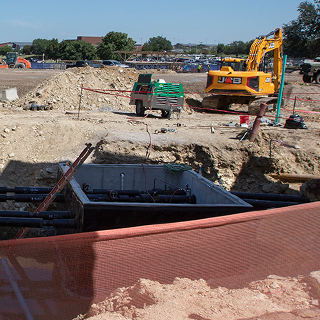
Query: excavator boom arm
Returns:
{"type": "Point", "coordinates": [263, 45]}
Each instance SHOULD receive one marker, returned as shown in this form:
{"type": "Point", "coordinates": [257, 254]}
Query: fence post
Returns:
{"type": "Point", "coordinates": [281, 87]}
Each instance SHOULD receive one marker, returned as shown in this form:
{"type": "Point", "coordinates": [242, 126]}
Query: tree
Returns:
{"type": "Point", "coordinates": [301, 36]}
{"type": "Point", "coordinates": [114, 41]}
{"type": "Point", "coordinates": [39, 46]}
{"type": "Point", "coordinates": [52, 49]}
{"type": "Point", "coordinates": [157, 44]}
{"type": "Point", "coordinates": [5, 49]}
{"type": "Point", "coordinates": [86, 49]}
{"type": "Point", "coordinates": [76, 50]}
{"type": "Point", "coordinates": [236, 48]}
{"type": "Point", "coordinates": [220, 48]}
{"type": "Point", "coordinates": [67, 51]}
{"type": "Point", "coordinates": [26, 50]}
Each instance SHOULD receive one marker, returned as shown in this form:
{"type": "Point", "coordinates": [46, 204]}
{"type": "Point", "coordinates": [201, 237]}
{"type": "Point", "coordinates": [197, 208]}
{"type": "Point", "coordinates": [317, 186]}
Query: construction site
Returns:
{"type": "Point", "coordinates": [112, 245]}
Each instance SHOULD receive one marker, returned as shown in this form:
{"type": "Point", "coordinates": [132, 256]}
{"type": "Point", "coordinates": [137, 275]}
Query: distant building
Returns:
{"type": "Point", "coordinates": [9, 44]}
{"type": "Point", "coordinates": [138, 46]}
{"type": "Point", "coordinates": [93, 40]}
{"type": "Point", "coordinates": [19, 45]}
{"type": "Point", "coordinates": [193, 45]}
{"type": "Point", "coordinates": [16, 45]}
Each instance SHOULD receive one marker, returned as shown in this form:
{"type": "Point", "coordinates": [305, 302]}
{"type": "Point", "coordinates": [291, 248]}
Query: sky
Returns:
{"type": "Point", "coordinates": [195, 22]}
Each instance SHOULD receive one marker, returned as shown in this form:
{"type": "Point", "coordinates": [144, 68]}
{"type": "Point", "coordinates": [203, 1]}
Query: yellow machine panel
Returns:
{"type": "Point", "coordinates": [227, 81]}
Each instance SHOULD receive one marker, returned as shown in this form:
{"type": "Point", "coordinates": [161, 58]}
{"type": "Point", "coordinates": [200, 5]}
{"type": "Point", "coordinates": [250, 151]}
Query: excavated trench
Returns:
{"type": "Point", "coordinates": [243, 167]}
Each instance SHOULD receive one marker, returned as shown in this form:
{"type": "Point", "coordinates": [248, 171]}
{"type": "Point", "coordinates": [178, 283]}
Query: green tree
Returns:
{"type": "Point", "coordinates": [4, 50]}
{"type": "Point", "coordinates": [39, 46]}
{"type": "Point", "coordinates": [220, 48]}
{"type": "Point", "coordinates": [301, 36]}
{"type": "Point", "coordinates": [76, 50]}
{"type": "Point", "coordinates": [87, 50]}
{"type": "Point", "coordinates": [157, 44]}
{"type": "Point", "coordinates": [26, 50]}
{"type": "Point", "coordinates": [52, 49]}
{"type": "Point", "coordinates": [114, 41]}
{"type": "Point", "coordinates": [237, 48]}
{"type": "Point", "coordinates": [67, 51]}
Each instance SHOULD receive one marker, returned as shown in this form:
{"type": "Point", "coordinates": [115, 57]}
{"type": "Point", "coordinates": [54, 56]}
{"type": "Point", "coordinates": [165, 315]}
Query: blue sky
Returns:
{"type": "Point", "coordinates": [206, 21]}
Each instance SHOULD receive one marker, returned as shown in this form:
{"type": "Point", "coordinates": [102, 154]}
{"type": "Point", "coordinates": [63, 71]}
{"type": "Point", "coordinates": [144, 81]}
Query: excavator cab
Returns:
{"type": "Point", "coordinates": [11, 59]}
{"type": "Point", "coordinates": [14, 61]}
{"type": "Point", "coordinates": [237, 64]}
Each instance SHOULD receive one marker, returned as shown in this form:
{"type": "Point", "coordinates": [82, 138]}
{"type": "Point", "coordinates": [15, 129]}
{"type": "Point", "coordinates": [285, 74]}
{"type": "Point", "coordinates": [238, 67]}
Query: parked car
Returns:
{"type": "Point", "coordinates": [84, 63]}
{"type": "Point", "coordinates": [113, 63]}
{"type": "Point", "coordinates": [81, 63]}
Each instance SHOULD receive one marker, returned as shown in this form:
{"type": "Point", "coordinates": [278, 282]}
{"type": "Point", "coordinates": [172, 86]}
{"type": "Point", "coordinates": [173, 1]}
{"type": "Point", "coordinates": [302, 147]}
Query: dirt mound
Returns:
{"type": "Point", "coordinates": [62, 91]}
{"type": "Point", "coordinates": [187, 299]}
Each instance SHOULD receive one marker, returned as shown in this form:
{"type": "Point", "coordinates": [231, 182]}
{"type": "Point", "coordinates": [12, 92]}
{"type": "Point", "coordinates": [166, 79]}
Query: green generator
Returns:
{"type": "Point", "coordinates": [156, 95]}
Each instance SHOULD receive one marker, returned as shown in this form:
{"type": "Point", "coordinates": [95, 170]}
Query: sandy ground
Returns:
{"type": "Point", "coordinates": [33, 142]}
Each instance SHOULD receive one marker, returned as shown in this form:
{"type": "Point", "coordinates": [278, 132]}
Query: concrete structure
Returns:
{"type": "Point", "coordinates": [119, 197]}
{"type": "Point", "coordinates": [9, 94]}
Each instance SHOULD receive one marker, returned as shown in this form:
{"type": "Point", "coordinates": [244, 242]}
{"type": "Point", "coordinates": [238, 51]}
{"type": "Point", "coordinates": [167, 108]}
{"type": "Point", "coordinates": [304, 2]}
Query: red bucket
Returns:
{"type": "Point", "coordinates": [244, 119]}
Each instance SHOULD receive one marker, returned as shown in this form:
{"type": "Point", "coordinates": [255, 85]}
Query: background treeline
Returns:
{"type": "Point", "coordinates": [301, 40]}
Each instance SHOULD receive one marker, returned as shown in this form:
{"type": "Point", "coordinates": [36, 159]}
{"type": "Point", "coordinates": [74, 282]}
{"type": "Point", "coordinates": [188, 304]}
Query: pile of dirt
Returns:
{"type": "Point", "coordinates": [63, 91]}
{"type": "Point", "coordinates": [187, 299]}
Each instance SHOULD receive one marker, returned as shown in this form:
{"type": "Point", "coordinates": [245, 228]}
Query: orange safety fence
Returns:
{"type": "Point", "coordinates": [60, 277]}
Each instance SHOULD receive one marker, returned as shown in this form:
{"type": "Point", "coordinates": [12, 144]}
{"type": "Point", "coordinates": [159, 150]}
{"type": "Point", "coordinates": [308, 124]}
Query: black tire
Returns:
{"type": "Point", "coordinates": [306, 78]}
{"type": "Point", "coordinates": [20, 66]}
{"type": "Point", "coordinates": [317, 78]}
{"type": "Point", "coordinates": [166, 114]}
{"type": "Point", "coordinates": [140, 109]}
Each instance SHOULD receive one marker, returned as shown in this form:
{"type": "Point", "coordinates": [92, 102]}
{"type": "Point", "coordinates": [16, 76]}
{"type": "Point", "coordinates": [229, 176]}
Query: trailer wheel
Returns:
{"type": "Point", "coordinates": [306, 78]}
{"type": "Point", "coordinates": [318, 78]}
{"type": "Point", "coordinates": [140, 109]}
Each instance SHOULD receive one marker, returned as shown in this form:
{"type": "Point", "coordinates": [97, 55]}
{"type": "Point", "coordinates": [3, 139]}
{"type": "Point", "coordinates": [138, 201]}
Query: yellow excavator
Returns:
{"type": "Point", "coordinates": [244, 81]}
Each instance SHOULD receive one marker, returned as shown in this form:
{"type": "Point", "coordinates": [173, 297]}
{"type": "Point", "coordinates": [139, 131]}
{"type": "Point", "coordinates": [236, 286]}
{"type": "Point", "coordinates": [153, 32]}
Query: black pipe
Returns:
{"type": "Point", "coordinates": [108, 191]}
{"type": "Point", "coordinates": [144, 197]}
{"type": "Point", "coordinates": [29, 197]}
{"type": "Point", "coordinates": [33, 190]}
{"type": "Point", "coordinates": [36, 222]}
{"type": "Point", "coordinates": [267, 204]}
{"type": "Point", "coordinates": [20, 190]}
{"type": "Point", "coordinates": [137, 192]}
{"type": "Point", "coordinates": [271, 197]}
{"type": "Point", "coordinates": [43, 214]}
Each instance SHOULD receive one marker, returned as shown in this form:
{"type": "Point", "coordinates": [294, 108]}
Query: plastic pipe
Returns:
{"type": "Point", "coordinates": [257, 121]}
{"type": "Point", "coordinates": [271, 196]}
{"type": "Point", "coordinates": [281, 87]}
{"type": "Point", "coordinates": [266, 204]}
{"type": "Point", "coordinates": [29, 197]}
{"type": "Point", "coordinates": [43, 214]}
{"type": "Point", "coordinates": [19, 190]}
{"type": "Point", "coordinates": [36, 222]}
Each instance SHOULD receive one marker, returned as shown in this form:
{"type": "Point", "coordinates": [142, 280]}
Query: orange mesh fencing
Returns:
{"type": "Point", "coordinates": [60, 277]}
